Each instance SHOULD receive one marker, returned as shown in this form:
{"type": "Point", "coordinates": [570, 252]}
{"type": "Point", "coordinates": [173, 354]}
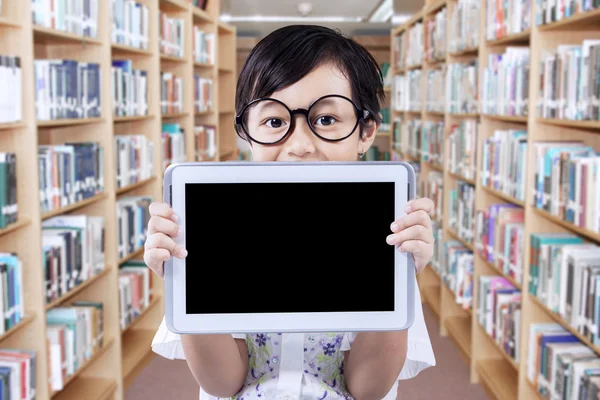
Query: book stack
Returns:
{"type": "Point", "coordinates": [134, 159]}
{"type": "Point", "coordinates": [433, 143]}
{"type": "Point", "coordinates": [74, 334]}
{"type": "Point", "coordinates": [436, 37]}
{"type": "Point", "coordinates": [506, 18]}
{"type": "Point", "coordinates": [435, 95]}
{"type": "Point", "coordinates": [204, 48]}
{"type": "Point", "coordinates": [18, 371]}
{"type": "Point", "coordinates": [503, 165]}
{"type": "Point", "coordinates": [133, 215]}
{"type": "Point", "coordinates": [130, 24]}
{"type": "Point", "coordinates": [438, 248]}
{"type": "Point", "coordinates": [464, 26]}
{"type": "Point", "coordinates": [415, 49]}
{"type": "Point", "coordinates": [69, 173]}
{"type": "Point", "coordinates": [206, 145]}
{"type": "Point", "coordinates": [11, 104]}
{"type": "Point", "coordinates": [499, 312]}
{"type": "Point", "coordinates": [77, 17]}
{"type": "Point", "coordinates": [433, 188]}
{"type": "Point", "coordinates": [500, 238]}
{"type": "Point", "coordinates": [135, 291]}
{"type": "Point", "coordinates": [463, 149]}
{"type": "Point", "coordinates": [172, 144]}
{"type": "Point", "coordinates": [67, 89]}
{"type": "Point", "coordinates": [73, 251]}
{"type": "Point", "coordinates": [457, 272]}
{"type": "Point", "coordinates": [172, 33]}
{"type": "Point", "coordinates": [171, 93]}
{"type": "Point", "coordinates": [9, 208]}
{"type": "Point", "coordinates": [547, 13]}
{"type": "Point", "coordinates": [11, 291]}
{"type": "Point", "coordinates": [461, 88]}
{"type": "Point", "coordinates": [462, 211]}
{"type": "Point", "coordinates": [129, 89]}
{"type": "Point", "coordinates": [203, 94]}
{"type": "Point", "coordinates": [407, 91]}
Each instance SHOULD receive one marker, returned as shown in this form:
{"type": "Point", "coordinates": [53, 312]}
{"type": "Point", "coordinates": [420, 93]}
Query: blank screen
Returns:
{"type": "Point", "coordinates": [289, 247]}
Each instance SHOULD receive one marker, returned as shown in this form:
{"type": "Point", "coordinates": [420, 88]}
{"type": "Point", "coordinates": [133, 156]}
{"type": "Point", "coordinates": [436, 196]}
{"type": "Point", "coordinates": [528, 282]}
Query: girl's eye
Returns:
{"type": "Point", "coordinates": [325, 120]}
{"type": "Point", "coordinates": [274, 123]}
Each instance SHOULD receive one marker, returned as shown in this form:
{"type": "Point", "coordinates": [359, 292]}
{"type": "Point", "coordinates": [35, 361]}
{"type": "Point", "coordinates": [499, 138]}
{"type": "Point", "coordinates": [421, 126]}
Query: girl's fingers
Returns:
{"type": "Point", "coordinates": [423, 203]}
{"type": "Point", "coordinates": [164, 210]}
{"type": "Point", "coordinates": [419, 217]}
{"type": "Point", "coordinates": [162, 225]}
{"type": "Point", "coordinates": [415, 232]}
{"type": "Point", "coordinates": [155, 258]}
{"type": "Point", "coordinates": [161, 241]}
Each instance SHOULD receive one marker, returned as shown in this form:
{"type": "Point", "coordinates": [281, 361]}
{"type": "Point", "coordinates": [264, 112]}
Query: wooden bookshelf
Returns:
{"type": "Point", "coordinates": [502, 376]}
{"type": "Point", "coordinates": [126, 351]}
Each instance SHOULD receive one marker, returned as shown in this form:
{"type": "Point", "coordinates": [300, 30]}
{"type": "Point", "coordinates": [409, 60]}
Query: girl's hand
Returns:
{"type": "Point", "coordinates": [413, 233]}
{"type": "Point", "coordinates": [159, 245]}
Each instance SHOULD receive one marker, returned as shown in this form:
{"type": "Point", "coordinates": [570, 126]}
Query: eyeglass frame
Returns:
{"type": "Point", "coordinates": [303, 111]}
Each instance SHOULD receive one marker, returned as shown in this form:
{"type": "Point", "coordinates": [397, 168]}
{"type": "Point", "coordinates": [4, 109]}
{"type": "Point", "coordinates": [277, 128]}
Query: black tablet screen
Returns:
{"type": "Point", "coordinates": [289, 247]}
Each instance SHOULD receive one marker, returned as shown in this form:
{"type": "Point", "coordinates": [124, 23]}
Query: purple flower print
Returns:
{"type": "Point", "coordinates": [324, 395]}
{"type": "Point", "coordinates": [329, 349]}
{"type": "Point", "coordinates": [261, 339]}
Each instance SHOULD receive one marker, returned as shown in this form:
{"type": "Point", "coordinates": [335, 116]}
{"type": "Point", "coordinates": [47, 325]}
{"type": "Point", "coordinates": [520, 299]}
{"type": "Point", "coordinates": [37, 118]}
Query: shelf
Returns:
{"type": "Point", "coordinates": [134, 186]}
{"type": "Point", "coordinates": [11, 125]}
{"type": "Point", "coordinates": [8, 23]}
{"type": "Point", "coordinates": [495, 269]}
{"type": "Point", "coordinates": [435, 7]}
{"type": "Point", "coordinates": [512, 39]}
{"type": "Point", "coordinates": [175, 115]}
{"type": "Point", "coordinates": [460, 178]}
{"type": "Point", "coordinates": [589, 19]}
{"type": "Point", "coordinates": [433, 296]}
{"type": "Point", "coordinates": [73, 378]}
{"type": "Point", "coordinates": [506, 118]}
{"type": "Point", "coordinates": [68, 122]}
{"type": "Point", "coordinates": [567, 123]}
{"type": "Point", "coordinates": [74, 206]}
{"type": "Point", "coordinates": [21, 222]}
{"type": "Point", "coordinates": [510, 361]}
{"type": "Point", "coordinates": [466, 116]}
{"type": "Point", "coordinates": [133, 118]}
{"type": "Point", "coordinates": [503, 196]}
{"type": "Point", "coordinates": [136, 345]}
{"type": "Point", "coordinates": [466, 52]}
{"type": "Point", "coordinates": [119, 48]}
{"type": "Point", "coordinates": [62, 299]}
{"type": "Point", "coordinates": [88, 388]}
{"type": "Point", "coordinates": [155, 300]}
{"type": "Point", "coordinates": [136, 253]}
{"type": "Point", "coordinates": [201, 15]}
{"type": "Point", "coordinates": [164, 57]}
{"type": "Point", "coordinates": [203, 65]}
{"type": "Point", "coordinates": [433, 166]}
{"type": "Point", "coordinates": [459, 329]}
{"type": "Point", "coordinates": [174, 5]}
{"type": "Point", "coordinates": [499, 378]}
{"type": "Point", "coordinates": [25, 320]}
{"type": "Point", "coordinates": [47, 35]}
{"type": "Point", "coordinates": [595, 236]}
{"type": "Point", "coordinates": [463, 241]}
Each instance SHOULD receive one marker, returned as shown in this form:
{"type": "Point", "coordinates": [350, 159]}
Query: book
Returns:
{"type": "Point", "coordinates": [77, 17]}
{"type": "Point", "coordinates": [9, 206]}
{"type": "Point", "coordinates": [456, 271]}
{"type": "Point", "coordinates": [462, 143]}
{"type": "Point", "coordinates": [130, 24]}
{"type": "Point", "coordinates": [134, 157]}
{"type": "Point", "coordinates": [129, 89]}
{"type": "Point", "coordinates": [464, 23]}
{"type": "Point", "coordinates": [11, 73]}
{"type": "Point", "coordinates": [461, 81]}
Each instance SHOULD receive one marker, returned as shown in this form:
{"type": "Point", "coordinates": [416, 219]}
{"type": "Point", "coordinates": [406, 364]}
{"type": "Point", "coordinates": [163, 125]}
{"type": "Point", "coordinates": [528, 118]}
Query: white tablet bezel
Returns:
{"type": "Point", "coordinates": [176, 176]}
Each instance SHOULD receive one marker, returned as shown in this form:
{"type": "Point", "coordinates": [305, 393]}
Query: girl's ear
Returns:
{"type": "Point", "coordinates": [369, 132]}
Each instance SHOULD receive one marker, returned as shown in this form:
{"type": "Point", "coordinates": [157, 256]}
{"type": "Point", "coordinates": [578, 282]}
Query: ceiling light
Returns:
{"type": "Point", "coordinates": [400, 19]}
{"type": "Point", "coordinates": [281, 18]}
{"type": "Point", "coordinates": [384, 12]}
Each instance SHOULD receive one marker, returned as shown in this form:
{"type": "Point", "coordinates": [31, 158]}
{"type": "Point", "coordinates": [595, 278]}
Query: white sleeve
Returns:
{"type": "Point", "coordinates": [419, 355]}
{"type": "Point", "coordinates": [168, 344]}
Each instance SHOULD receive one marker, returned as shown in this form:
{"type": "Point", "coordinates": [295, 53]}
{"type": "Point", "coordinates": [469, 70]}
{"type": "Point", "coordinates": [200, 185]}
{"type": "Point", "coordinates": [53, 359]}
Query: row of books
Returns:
{"type": "Point", "coordinates": [504, 162]}
{"type": "Point", "coordinates": [432, 187]}
{"type": "Point", "coordinates": [73, 248]}
{"type": "Point", "coordinates": [11, 104]}
{"type": "Point", "coordinates": [506, 18]}
{"type": "Point", "coordinates": [134, 159]}
{"type": "Point", "coordinates": [78, 17]}
{"type": "Point", "coordinates": [206, 142]}
{"type": "Point", "coordinates": [559, 365]}
{"type": "Point", "coordinates": [547, 12]}
{"type": "Point", "coordinates": [11, 291]}
{"type": "Point", "coordinates": [456, 272]}
{"type": "Point", "coordinates": [171, 93]}
{"type": "Point", "coordinates": [67, 89]}
{"type": "Point", "coordinates": [69, 173]}
{"type": "Point", "coordinates": [204, 46]}
{"type": "Point", "coordinates": [408, 131]}
{"type": "Point", "coordinates": [499, 312]}
{"type": "Point", "coordinates": [130, 24]}
{"type": "Point", "coordinates": [74, 334]}
{"type": "Point", "coordinates": [464, 26]}
{"type": "Point", "coordinates": [9, 207]}
{"type": "Point", "coordinates": [133, 215]}
{"type": "Point", "coordinates": [135, 291]}
{"type": "Point", "coordinates": [567, 182]}
{"type": "Point", "coordinates": [172, 34]}
{"type": "Point", "coordinates": [569, 86]}
{"type": "Point", "coordinates": [564, 277]}
{"type": "Point", "coordinates": [432, 142]}
{"type": "Point", "coordinates": [438, 245]}
{"type": "Point", "coordinates": [500, 238]}
{"type": "Point", "coordinates": [435, 96]}
{"type": "Point", "coordinates": [462, 152]}
{"type": "Point", "coordinates": [172, 144]}
{"type": "Point", "coordinates": [461, 88]}
{"type": "Point", "coordinates": [129, 89]}
{"type": "Point", "coordinates": [400, 44]}
{"type": "Point", "coordinates": [203, 94]}
{"type": "Point", "coordinates": [435, 37]}
{"type": "Point", "coordinates": [415, 45]}
{"type": "Point", "coordinates": [18, 374]}
{"type": "Point", "coordinates": [462, 210]}
{"type": "Point", "coordinates": [407, 91]}
{"type": "Point", "coordinates": [505, 83]}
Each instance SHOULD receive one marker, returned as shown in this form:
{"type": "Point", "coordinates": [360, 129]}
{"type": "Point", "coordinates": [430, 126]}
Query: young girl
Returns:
{"type": "Point", "coordinates": [335, 88]}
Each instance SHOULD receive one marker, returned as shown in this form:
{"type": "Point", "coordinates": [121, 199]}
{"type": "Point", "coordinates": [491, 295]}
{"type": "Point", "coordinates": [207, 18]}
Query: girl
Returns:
{"type": "Point", "coordinates": [335, 88]}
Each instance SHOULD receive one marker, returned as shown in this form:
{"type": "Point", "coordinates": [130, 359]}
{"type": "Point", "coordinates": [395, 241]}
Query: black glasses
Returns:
{"type": "Point", "coordinates": [269, 121]}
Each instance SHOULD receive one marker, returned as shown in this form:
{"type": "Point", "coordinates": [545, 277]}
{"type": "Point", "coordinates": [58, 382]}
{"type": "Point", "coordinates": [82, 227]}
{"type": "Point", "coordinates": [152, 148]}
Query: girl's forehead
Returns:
{"type": "Point", "coordinates": [323, 80]}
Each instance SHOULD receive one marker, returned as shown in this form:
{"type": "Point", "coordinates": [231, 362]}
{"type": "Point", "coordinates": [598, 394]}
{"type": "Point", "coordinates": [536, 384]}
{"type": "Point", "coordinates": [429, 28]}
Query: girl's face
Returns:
{"type": "Point", "coordinates": [301, 143]}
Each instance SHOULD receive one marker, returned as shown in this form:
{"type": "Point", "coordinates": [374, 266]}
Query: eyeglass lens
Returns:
{"type": "Point", "coordinates": [332, 118]}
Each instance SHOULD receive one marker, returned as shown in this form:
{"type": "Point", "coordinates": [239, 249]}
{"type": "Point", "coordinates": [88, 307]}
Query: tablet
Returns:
{"type": "Point", "coordinates": [288, 247]}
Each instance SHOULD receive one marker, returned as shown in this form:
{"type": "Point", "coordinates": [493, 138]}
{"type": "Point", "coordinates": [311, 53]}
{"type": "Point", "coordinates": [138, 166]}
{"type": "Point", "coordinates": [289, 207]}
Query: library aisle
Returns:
{"type": "Point", "coordinates": [172, 379]}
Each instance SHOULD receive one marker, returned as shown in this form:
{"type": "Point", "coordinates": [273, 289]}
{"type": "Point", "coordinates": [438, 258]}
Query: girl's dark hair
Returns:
{"type": "Point", "coordinates": [288, 54]}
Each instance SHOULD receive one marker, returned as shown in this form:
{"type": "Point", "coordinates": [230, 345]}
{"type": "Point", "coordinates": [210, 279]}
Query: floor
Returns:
{"type": "Point", "coordinates": [449, 379]}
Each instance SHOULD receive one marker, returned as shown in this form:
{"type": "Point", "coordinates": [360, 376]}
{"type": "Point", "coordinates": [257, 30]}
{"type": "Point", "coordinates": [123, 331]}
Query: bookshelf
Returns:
{"type": "Point", "coordinates": [454, 169]}
{"type": "Point", "coordinates": [136, 110]}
